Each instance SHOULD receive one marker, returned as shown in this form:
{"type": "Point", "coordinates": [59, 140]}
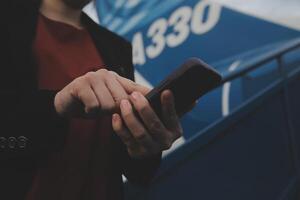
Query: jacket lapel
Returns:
{"type": "Point", "coordinates": [22, 29]}
{"type": "Point", "coordinates": [106, 46]}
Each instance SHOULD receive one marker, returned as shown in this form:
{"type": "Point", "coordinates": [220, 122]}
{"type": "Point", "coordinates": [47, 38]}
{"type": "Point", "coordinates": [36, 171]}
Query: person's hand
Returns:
{"type": "Point", "coordinates": [94, 94]}
{"type": "Point", "coordinates": [147, 135]}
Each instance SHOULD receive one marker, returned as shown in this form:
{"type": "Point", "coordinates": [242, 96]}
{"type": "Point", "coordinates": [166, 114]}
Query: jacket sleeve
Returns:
{"type": "Point", "coordinates": [29, 125]}
{"type": "Point", "coordinates": [138, 171]}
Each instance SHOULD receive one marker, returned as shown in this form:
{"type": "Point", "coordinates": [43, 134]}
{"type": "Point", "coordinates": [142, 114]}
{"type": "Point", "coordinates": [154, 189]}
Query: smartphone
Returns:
{"type": "Point", "coordinates": [188, 83]}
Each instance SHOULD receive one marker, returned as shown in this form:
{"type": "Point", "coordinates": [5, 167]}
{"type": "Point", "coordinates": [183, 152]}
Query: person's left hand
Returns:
{"type": "Point", "coordinates": [150, 136]}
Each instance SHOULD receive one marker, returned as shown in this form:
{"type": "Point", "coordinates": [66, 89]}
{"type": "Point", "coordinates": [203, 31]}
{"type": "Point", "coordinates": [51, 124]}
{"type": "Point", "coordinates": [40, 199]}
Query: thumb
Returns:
{"type": "Point", "coordinates": [131, 86]}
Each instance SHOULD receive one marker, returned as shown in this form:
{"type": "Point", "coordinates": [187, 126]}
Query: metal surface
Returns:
{"type": "Point", "coordinates": [217, 162]}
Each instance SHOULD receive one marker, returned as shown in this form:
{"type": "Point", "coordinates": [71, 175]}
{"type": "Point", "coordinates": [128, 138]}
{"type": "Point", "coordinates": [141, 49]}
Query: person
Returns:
{"type": "Point", "coordinates": [68, 125]}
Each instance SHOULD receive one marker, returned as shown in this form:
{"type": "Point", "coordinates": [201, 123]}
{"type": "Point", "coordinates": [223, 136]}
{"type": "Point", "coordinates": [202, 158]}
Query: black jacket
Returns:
{"type": "Point", "coordinates": [30, 127]}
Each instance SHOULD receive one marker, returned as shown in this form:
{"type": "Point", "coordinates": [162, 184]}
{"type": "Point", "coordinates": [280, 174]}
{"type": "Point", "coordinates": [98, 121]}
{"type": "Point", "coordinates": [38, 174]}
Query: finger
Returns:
{"type": "Point", "coordinates": [150, 119]}
{"type": "Point", "coordinates": [131, 86]}
{"type": "Point", "coordinates": [138, 152]}
{"type": "Point", "coordinates": [107, 103]}
{"type": "Point", "coordinates": [134, 149]}
{"type": "Point", "coordinates": [169, 114]}
{"type": "Point", "coordinates": [88, 98]}
{"type": "Point", "coordinates": [117, 91]}
{"type": "Point", "coordinates": [122, 131]}
{"type": "Point", "coordinates": [136, 128]}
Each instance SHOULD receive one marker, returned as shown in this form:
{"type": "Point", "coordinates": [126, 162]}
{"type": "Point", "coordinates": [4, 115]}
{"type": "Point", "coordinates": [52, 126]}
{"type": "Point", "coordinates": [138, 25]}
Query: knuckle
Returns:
{"type": "Point", "coordinates": [141, 136]}
{"type": "Point", "coordinates": [155, 126]}
{"type": "Point", "coordinates": [103, 72]}
{"type": "Point", "coordinates": [76, 87]}
{"type": "Point", "coordinates": [109, 78]}
{"type": "Point", "coordinates": [110, 75]}
{"type": "Point", "coordinates": [142, 107]}
{"type": "Point", "coordinates": [114, 74]}
{"type": "Point", "coordinates": [90, 76]}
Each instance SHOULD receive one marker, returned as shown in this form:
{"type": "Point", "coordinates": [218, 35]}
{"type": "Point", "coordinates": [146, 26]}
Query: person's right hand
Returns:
{"type": "Point", "coordinates": [94, 94]}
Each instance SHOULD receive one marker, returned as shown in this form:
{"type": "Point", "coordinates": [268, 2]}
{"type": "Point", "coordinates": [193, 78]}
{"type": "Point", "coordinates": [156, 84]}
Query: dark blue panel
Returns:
{"type": "Point", "coordinates": [294, 97]}
{"type": "Point", "coordinates": [251, 161]}
{"type": "Point", "coordinates": [232, 37]}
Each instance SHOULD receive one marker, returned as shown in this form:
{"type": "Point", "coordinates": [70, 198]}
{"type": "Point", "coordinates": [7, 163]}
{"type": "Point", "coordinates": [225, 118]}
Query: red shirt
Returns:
{"type": "Point", "coordinates": [64, 53]}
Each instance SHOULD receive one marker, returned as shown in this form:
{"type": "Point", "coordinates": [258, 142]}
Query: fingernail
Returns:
{"type": "Point", "coordinates": [115, 117]}
{"type": "Point", "coordinates": [125, 105]}
{"type": "Point", "coordinates": [135, 95]}
{"type": "Point", "coordinates": [167, 97]}
{"type": "Point", "coordinates": [171, 96]}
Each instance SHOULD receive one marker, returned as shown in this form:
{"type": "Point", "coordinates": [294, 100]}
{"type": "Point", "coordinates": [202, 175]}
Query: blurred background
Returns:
{"type": "Point", "coordinates": [242, 139]}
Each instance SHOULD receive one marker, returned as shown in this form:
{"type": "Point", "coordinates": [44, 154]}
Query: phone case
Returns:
{"type": "Point", "coordinates": [188, 83]}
